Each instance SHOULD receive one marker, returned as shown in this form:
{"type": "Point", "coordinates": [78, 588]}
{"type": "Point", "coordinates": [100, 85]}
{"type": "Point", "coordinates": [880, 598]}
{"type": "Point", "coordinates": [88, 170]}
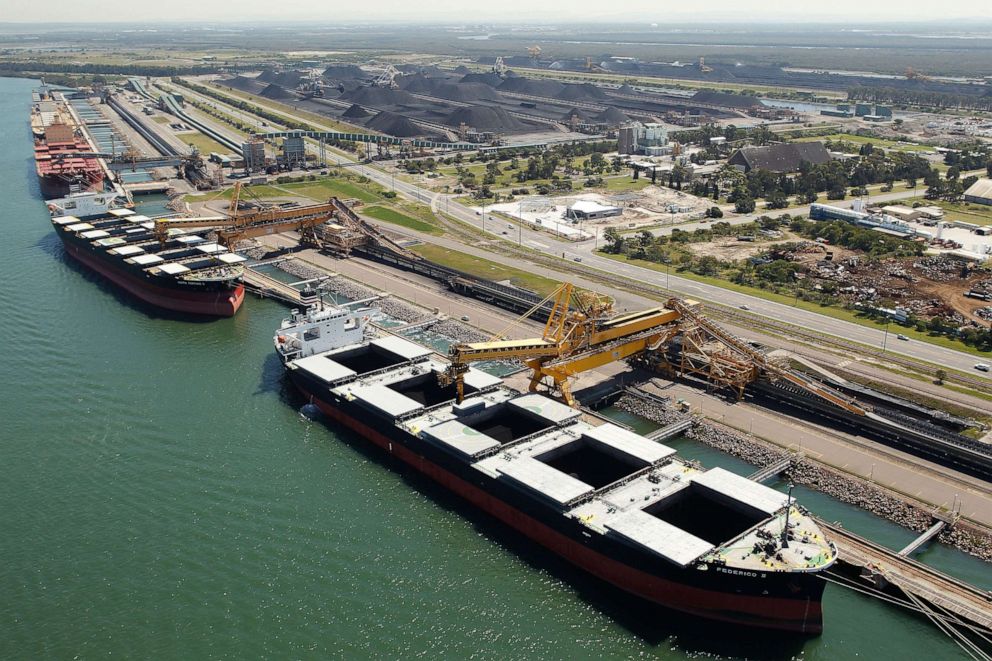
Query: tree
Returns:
{"type": "Point", "coordinates": [941, 375]}
{"type": "Point", "coordinates": [614, 240]}
{"type": "Point", "coordinates": [714, 212]}
{"type": "Point", "coordinates": [744, 204]}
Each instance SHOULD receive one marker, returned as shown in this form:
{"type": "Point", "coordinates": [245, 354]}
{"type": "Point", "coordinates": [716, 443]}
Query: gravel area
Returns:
{"type": "Point", "coordinates": [845, 488]}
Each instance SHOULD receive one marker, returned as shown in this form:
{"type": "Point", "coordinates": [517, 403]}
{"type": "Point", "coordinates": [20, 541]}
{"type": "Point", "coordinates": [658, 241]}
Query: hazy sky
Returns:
{"type": "Point", "coordinates": [516, 11]}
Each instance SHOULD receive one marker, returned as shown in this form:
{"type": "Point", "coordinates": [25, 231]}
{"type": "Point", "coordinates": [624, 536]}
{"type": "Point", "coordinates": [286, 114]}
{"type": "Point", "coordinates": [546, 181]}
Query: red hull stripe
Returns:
{"type": "Point", "coordinates": [218, 304]}
{"type": "Point", "coordinates": [803, 616]}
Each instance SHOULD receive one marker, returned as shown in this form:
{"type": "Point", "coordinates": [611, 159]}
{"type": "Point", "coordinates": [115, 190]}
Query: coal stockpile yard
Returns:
{"type": "Point", "coordinates": [411, 101]}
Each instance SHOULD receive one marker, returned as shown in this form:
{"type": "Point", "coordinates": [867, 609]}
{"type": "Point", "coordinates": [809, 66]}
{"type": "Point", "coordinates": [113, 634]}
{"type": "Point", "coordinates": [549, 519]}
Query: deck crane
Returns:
{"type": "Point", "coordinates": [575, 339]}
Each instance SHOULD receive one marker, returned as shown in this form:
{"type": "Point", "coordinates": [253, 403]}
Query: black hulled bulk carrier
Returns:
{"type": "Point", "coordinates": [182, 272]}
{"type": "Point", "coordinates": [620, 506]}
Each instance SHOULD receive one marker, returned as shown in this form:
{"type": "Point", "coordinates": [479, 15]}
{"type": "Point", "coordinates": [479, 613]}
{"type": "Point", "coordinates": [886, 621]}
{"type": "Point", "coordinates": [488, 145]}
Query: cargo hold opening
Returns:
{"type": "Point", "coordinates": [700, 513]}
{"type": "Point", "coordinates": [367, 358]}
{"type": "Point", "coordinates": [593, 463]}
{"type": "Point", "coordinates": [504, 423]}
{"type": "Point", "coordinates": [426, 390]}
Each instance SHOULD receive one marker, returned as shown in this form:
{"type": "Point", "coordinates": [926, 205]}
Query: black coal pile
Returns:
{"type": "Point", "coordinates": [462, 69]}
{"type": "Point", "coordinates": [344, 72]}
{"type": "Point", "coordinates": [379, 96]}
{"type": "Point", "coordinates": [417, 84]}
{"type": "Point", "coordinates": [274, 91]}
{"type": "Point", "coordinates": [581, 115]}
{"type": "Point", "coordinates": [626, 89]}
{"type": "Point", "coordinates": [546, 88]}
{"type": "Point", "coordinates": [726, 100]}
{"type": "Point", "coordinates": [356, 112]}
{"type": "Point", "coordinates": [243, 83]}
{"type": "Point", "coordinates": [581, 92]}
{"type": "Point", "coordinates": [268, 75]}
{"type": "Point", "coordinates": [393, 124]}
{"type": "Point", "coordinates": [465, 93]}
{"type": "Point", "coordinates": [490, 79]}
{"type": "Point", "coordinates": [484, 118]}
{"type": "Point", "coordinates": [612, 116]}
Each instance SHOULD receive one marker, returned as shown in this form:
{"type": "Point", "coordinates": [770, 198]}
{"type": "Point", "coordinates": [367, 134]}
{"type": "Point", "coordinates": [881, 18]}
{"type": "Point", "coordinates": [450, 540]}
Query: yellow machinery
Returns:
{"type": "Point", "coordinates": [587, 336]}
{"type": "Point", "coordinates": [574, 341]}
{"type": "Point", "coordinates": [245, 225]}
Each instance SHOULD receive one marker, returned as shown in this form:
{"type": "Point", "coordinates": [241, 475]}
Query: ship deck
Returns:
{"type": "Point", "coordinates": [131, 238]}
{"type": "Point", "coordinates": [611, 481]}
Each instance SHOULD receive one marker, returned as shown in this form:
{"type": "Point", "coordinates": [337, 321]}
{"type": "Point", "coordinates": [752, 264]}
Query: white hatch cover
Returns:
{"type": "Point", "coordinates": [173, 269]}
{"type": "Point", "coordinates": [95, 234]}
{"type": "Point", "coordinates": [231, 258]}
{"type": "Point", "coordinates": [79, 227]}
{"type": "Point", "coordinates": [65, 220]}
{"type": "Point", "coordinates": [120, 213]}
{"type": "Point", "coordinates": [481, 380]}
{"type": "Point", "coordinates": [129, 251]}
{"type": "Point", "coordinates": [385, 399]}
{"type": "Point", "coordinates": [148, 225]}
{"type": "Point", "coordinates": [211, 248]}
{"type": "Point", "coordinates": [545, 480]}
{"type": "Point", "coordinates": [138, 218]}
{"type": "Point", "coordinates": [629, 443]}
{"type": "Point", "coordinates": [404, 348]}
{"type": "Point", "coordinates": [661, 537]}
{"type": "Point", "coordinates": [147, 260]}
{"type": "Point", "coordinates": [324, 368]}
{"type": "Point", "coordinates": [190, 239]}
{"type": "Point", "coordinates": [741, 489]}
{"type": "Point", "coordinates": [111, 241]}
{"type": "Point", "coordinates": [545, 407]}
{"type": "Point", "coordinates": [459, 436]}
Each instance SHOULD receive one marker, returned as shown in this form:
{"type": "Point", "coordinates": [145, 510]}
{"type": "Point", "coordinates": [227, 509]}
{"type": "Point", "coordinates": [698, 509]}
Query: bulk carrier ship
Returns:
{"type": "Point", "coordinates": [183, 272]}
{"type": "Point", "coordinates": [61, 151]}
{"type": "Point", "coordinates": [618, 505]}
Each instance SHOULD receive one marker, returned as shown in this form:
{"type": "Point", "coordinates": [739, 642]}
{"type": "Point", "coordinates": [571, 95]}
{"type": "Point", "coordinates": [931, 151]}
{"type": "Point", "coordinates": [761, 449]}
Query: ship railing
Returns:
{"type": "Point", "coordinates": [529, 437]}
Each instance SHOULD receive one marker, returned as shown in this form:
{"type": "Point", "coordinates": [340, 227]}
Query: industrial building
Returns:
{"type": "Point", "coordinates": [254, 154]}
{"type": "Point", "coordinates": [589, 210]}
{"type": "Point", "coordinates": [787, 157]}
{"type": "Point", "coordinates": [650, 139]}
{"type": "Point", "coordinates": [294, 151]}
{"type": "Point", "coordinates": [980, 192]}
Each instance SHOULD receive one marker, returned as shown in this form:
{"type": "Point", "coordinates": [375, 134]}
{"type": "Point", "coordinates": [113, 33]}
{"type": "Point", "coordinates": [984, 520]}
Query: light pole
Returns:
{"type": "Point", "coordinates": [886, 336]}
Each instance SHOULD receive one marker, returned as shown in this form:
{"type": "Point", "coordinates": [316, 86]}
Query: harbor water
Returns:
{"type": "Point", "coordinates": [163, 497]}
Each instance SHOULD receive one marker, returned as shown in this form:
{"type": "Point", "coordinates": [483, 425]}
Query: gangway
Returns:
{"type": "Point", "coordinates": [772, 470]}
{"type": "Point", "coordinates": [670, 431]}
{"type": "Point", "coordinates": [929, 534]}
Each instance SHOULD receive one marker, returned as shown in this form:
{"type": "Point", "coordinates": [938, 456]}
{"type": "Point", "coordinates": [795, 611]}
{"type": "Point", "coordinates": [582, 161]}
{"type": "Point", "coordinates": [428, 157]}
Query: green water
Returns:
{"type": "Point", "coordinates": [161, 496]}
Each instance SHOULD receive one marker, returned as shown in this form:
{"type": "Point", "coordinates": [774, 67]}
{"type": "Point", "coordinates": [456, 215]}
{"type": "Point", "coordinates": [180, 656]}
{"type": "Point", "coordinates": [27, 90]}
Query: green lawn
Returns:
{"type": "Point", "coordinates": [483, 268]}
{"type": "Point", "coordinates": [161, 119]}
{"type": "Point", "coordinates": [861, 139]}
{"type": "Point", "coordinates": [830, 311]}
{"type": "Point", "coordinates": [203, 143]}
{"type": "Point", "coordinates": [978, 214]}
{"type": "Point", "coordinates": [397, 218]}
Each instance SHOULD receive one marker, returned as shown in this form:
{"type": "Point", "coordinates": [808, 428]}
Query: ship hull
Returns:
{"type": "Point", "coordinates": [774, 600]}
{"type": "Point", "coordinates": [218, 300]}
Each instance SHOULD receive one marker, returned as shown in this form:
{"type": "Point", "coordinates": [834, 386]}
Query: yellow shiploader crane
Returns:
{"type": "Point", "coordinates": [240, 225]}
{"type": "Point", "coordinates": [574, 341]}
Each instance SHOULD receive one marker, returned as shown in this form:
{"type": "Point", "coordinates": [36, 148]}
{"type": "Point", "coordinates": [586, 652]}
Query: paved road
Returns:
{"type": "Point", "coordinates": [689, 288]}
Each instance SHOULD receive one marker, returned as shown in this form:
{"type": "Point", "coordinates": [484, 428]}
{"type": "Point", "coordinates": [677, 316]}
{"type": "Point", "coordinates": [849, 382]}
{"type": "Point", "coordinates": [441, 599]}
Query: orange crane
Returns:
{"type": "Point", "coordinates": [574, 340]}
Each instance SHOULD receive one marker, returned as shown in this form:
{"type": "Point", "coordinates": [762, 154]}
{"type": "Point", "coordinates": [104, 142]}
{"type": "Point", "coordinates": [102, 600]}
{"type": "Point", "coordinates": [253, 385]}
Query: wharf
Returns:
{"type": "Point", "coordinates": [889, 569]}
{"type": "Point", "coordinates": [267, 286]}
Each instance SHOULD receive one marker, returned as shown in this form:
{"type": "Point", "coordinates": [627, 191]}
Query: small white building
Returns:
{"type": "Point", "coordinates": [590, 210]}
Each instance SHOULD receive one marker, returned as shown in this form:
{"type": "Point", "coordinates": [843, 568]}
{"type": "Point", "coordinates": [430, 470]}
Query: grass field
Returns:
{"type": "Point", "coordinates": [161, 119]}
{"type": "Point", "coordinates": [397, 218]}
{"type": "Point", "coordinates": [483, 268]}
{"type": "Point", "coordinates": [978, 214]}
{"type": "Point", "coordinates": [320, 191]}
{"type": "Point", "coordinates": [830, 311]}
{"type": "Point", "coordinates": [203, 143]}
{"type": "Point", "coordinates": [860, 140]}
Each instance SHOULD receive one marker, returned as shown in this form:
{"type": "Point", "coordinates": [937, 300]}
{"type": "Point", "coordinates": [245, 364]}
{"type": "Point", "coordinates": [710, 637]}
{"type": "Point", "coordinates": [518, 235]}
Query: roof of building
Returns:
{"type": "Point", "coordinates": [785, 157]}
{"type": "Point", "coordinates": [590, 206]}
{"type": "Point", "coordinates": [981, 188]}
